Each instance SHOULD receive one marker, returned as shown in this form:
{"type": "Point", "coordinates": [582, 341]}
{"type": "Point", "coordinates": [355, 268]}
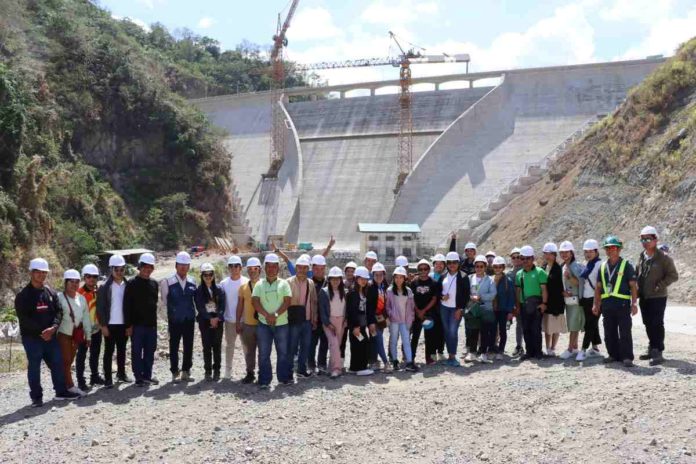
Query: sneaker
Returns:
{"type": "Point", "coordinates": [608, 360]}
{"type": "Point", "coordinates": [141, 383]}
{"type": "Point", "coordinates": [304, 374]}
{"type": "Point", "coordinates": [82, 385]}
{"type": "Point", "coordinates": [97, 380]}
{"type": "Point", "coordinates": [453, 362]}
{"type": "Point", "coordinates": [77, 391]}
{"type": "Point", "coordinates": [657, 358]}
{"type": "Point", "coordinates": [152, 381]}
{"type": "Point", "coordinates": [124, 379]}
{"type": "Point", "coordinates": [287, 382]}
{"type": "Point", "coordinates": [441, 357]}
{"type": "Point", "coordinates": [387, 369]}
{"type": "Point", "coordinates": [67, 395]}
{"type": "Point", "coordinates": [37, 403]}
{"type": "Point", "coordinates": [646, 356]}
{"type": "Point", "coordinates": [628, 363]}
{"type": "Point", "coordinates": [566, 354]}
{"type": "Point", "coordinates": [366, 372]}
{"type": "Point", "coordinates": [499, 357]}
{"type": "Point", "coordinates": [176, 377]}
{"type": "Point", "coordinates": [429, 361]}
{"type": "Point", "coordinates": [108, 384]}
{"type": "Point", "coordinates": [335, 374]}
{"type": "Point", "coordinates": [518, 351]}
{"type": "Point", "coordinates": [249, 378]}
{"type": "Point", "coordinates": [484, 359]}
{"type": "Point", "coordinates": [469, 358]}
{"type": "Point", "coordinates": [395, 366]}
{"type": "Point", "coordinates": [186, 376]}
{"type": "Point", "coordinates": [411, 367]}
{"type": "Point", "coordinates": [265, 386]}
{"type": "Point", "coordinates": [581, 356]}
{"type": "Point", "coordinates": [550, 352]}
{"type": "Point", "coordinates": [593, 352]}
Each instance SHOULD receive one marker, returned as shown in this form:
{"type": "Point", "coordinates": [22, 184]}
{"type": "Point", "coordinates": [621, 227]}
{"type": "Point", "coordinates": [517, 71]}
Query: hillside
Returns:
{"type": "Point", "coordinates": [636, 167]}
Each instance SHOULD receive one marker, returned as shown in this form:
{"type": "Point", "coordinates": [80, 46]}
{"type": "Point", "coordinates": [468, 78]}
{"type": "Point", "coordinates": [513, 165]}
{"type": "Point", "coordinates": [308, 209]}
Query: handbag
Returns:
{"type": "Point", "coordinates": [78, 333]}
{"type": "Point", "coordinates": [571, 301]}
{"type": "Point", "coordinates": [297, 314]}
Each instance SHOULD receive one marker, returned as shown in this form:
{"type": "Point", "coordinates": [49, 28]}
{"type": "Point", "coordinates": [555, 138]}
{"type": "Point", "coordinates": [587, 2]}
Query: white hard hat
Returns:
{"type": "Point", "coordinates": [515, 250]}
{"type": "Point", "coordinates": [350, 264]}
{"type": "Point", "coordinates": [400, 271]}
{"type": "Point", "coordinates": [480, 259]}
{"type": "Point", "coordinates": [401, 261]}
{"type": "Point", "coordinates": [590, 244]}
{"type": "Point", "coordinates": [649, 230]}
{"type": "Point", "coordinates": [306, 256]}
{"type": "Point", "coordinates": [116, 261]}
{"type": "Point", "coordinates": [90, 269]}
{"type": "Point", "coordinates": [207, 267]}
{"type": "Point", "coordinates": [490, 253]}
{"type": "Point", "coordinates": [423, 261]}
{"type": "Point", "coordinates": [147, 258]}
{"type": "Point", "coordinates": [550, 247]}
{"type": "Point", "coordinates": [270, 258]}
{"type": "Point", "coordinates": [318, 260]}
{"type": "Point", "coordinates": [470, 246]}
{"type": "Point", "coordinates": [71, 274]}
{"type": "Point", "coordinates": [566, 246]}
{"type": "Point", "coordinates": [439, 257]}
{"type": "Point", "coordinates": [378, 267]}
{"type": "Point", "coordinates": [527, 251]}
{"type": "Point", "coordinates": [371, 255]}
{"type": "Point", "coordinates": [234, 259]}
{"type": "Point", "coordinates": [253, 261]}
{"type": "Point", "coordinates": [183, 258]}
{"type": "Point", "coordinates": [335, 272]}
{"type": "Point", "coordinates": [361, 271]}
{"type": "Point", "coordinates": [499, 261]}
{"type": "Point", "coordinates": [302, 261]}
{"type": "Point", "coordinates": [452, 256]}
{"type": "Point", "coordinates": [38, 264]}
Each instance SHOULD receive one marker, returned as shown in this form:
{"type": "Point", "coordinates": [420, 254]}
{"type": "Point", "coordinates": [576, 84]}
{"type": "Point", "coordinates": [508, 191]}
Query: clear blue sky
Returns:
{"type": "Point", "coordinates": [497, 34]}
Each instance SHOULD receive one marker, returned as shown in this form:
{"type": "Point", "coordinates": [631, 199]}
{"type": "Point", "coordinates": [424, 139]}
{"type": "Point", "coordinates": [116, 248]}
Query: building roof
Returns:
{"type": "Point", "coordinates": [365, 227]}
{"type": "Point", "coordinates": [126, 252]}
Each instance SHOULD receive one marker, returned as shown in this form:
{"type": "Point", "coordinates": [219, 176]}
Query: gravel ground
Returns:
{"type": "Point", "coordinates": [549, 412]}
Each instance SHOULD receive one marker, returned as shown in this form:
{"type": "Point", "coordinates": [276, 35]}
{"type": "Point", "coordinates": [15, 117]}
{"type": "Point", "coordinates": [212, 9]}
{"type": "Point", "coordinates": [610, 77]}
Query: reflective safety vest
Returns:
{"type": "Point", "coordinates": [615, 289]}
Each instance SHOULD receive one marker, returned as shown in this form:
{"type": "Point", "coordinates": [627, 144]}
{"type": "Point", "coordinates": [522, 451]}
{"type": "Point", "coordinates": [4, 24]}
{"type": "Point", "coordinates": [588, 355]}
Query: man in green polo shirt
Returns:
{"type": "Point", "coordinates": [532, 297]}
{"type": "Point", "coordinates": [271, 298]}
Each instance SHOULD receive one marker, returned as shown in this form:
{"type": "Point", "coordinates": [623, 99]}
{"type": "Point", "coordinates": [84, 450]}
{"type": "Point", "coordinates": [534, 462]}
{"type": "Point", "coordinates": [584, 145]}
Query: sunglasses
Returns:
{"type": "Point", "coordinates": [75, 281]}
{"type": "Point", "coordinates": [515, 257]}
{"type": "Point", "coordinates": [646, 240]}
{"type": "Point", "coordinates": [452, 262]}
{"type": "Point", "coordinates": [208, 274]}
{"type": "Point", "coordinates": [527, 258]}
{"type": "Point", "coordinates": [90, 276]}
{"type": "Point", "coordinates": [423, 269]}
{"type": "Point", "coordinates": [235, 265]}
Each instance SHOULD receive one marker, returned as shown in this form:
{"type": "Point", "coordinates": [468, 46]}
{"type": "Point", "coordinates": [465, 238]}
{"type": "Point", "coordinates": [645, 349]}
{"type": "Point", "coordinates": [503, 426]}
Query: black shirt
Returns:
{"type": "Point", "coordinates": [554, 286]}
{"type": "Point", "coordinates": [37, 310]}
{"type": "Point", "coordinates": [140, 302]}
{"type": "Point", "coordinates": [423, 291]}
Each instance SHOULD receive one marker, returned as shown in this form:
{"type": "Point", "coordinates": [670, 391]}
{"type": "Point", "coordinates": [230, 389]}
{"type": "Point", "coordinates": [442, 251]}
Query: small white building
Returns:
{"type": "Point", "coordinates": [390, 240]}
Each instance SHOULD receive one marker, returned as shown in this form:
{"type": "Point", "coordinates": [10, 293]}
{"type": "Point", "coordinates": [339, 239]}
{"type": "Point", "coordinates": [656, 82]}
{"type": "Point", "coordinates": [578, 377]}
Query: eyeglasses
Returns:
{"type": "Point", "coordinates": [208, 274]}
{"type": "Point", "coordinates": [646, 240]}
{"type": "Point", "coordinates": [515, 257]}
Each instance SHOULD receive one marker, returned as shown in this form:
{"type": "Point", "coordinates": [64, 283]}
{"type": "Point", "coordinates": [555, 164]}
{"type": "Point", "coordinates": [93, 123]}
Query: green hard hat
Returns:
{"type": "Point", "coordinates": [612, 240]}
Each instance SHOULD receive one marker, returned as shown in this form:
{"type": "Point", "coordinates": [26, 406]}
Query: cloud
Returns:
{"type": "Point", "coordinates": [399, 12]}
{"type": "Point", "coordinates": [138, 22]}
{"type": "Point", "coordinates": [151, 4]}
{"type": "Point", "coordinates": [205, 22]}
{"type": "Point", "coordinates": [664, 36]}
{"type": "Point", "coordinates": [312, 24]}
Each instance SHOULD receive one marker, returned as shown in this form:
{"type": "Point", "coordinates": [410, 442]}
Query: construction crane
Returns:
{"type": "Point", "coordinates": [278, 128]}
{"type": "Point", "coordinates": [404, 61]}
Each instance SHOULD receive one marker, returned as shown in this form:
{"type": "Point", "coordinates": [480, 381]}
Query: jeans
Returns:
{"type": "Point", "coordinates": [397, 330]}
{"type": "Point", "coordinates": [300, 339]}
{"type": "Point", "coordinates": [318, 359]}
{"type": "Point", "coordinates": [653, 313]}
{"type": "Point", "coordinates": [38, 350]}
{"type": "Point", "coordinates": [94, 350]}
{"type": "Point", "coordinates": [450, 327]}
{"type": "Point", "coordinates": [117, 339]}
{"type": "Point", "coordinates": [178, 331]}
{"type": "Point", "coordinates": [617, 332]}
{"type": "Point", "coordinates": [378, 346]}
{"type": "Point", "coordinates": [501, 319]}
{"type": "Point", "coordinates": [591, 336]}
{"type": "Point", "coordinates": [211, 339]}
{"type": "Point", "coordinates": [531, 326]}
{"type": "Point", "coordinates": [143, 346]}
{"type": "Point", "coordinates": [267, 336]}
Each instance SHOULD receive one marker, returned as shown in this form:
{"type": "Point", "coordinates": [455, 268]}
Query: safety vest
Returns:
{"type": "Point", "coordinates": [615, 289]}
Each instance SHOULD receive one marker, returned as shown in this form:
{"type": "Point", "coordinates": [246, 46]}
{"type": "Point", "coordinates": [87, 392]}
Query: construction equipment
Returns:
{"type": "Point", "coordinates": [404, 61]}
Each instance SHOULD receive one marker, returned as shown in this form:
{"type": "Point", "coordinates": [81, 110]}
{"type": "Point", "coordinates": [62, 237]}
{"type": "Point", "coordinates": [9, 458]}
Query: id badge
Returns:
{"type": "Point", "coordinates": [211, 307]}
{"type": "Point", "coordinates": [610, 288]}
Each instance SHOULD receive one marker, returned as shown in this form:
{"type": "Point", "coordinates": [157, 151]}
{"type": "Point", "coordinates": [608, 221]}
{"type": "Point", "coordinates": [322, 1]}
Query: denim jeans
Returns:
{"type": "Point", "coordinates": [38, 350]}
{"type": "Point", "coordinates": [179, 331]}
{"type": "Point", "coordinates": [143, 346]}
{"type": "Point", "coordinates": [300, 339]}
{"type": "Point", "coordinates": [378, 345]}
{"type": "Point", "coordinates": [450, 327]}
{"type": "Point", "coordinates": [94, 350]}
{"type": "Point", "coordinates": [397, 330]}
{"type": "Point", "coordinates": [267, 336]}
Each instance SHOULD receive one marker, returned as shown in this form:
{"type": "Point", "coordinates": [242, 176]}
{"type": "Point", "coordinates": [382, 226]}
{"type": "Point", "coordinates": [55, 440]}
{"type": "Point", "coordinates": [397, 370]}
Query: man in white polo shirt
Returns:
{"type": "Point", "coordinates": [230, 285]}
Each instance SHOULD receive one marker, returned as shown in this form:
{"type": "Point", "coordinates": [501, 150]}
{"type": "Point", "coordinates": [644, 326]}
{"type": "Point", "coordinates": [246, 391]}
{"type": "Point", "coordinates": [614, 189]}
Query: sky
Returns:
{"type": "Point", "coordinates": [497, 34]}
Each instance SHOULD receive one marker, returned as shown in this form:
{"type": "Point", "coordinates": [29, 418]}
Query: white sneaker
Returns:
{"type": "Point", "coordinates": [77, 391]}
{"type": "Point", "coordinates": [581, 356]}
{"type": "Point", "coordinates": [593, 352]}
{"type": "Point", "coordinates": [499, 357]}
{"type": "Point", "coordinates": [365, 372]}
{"type": "Point", "coordinates": [441, 357]}
{"type": "Point", "coordinates": [483, 359]}
{"type": "Point", "coordinates": [566, 354]}
{"type": "Point", "coordinates": [550, 352]}
{"type": "Point", "coordinates": [469, 358]}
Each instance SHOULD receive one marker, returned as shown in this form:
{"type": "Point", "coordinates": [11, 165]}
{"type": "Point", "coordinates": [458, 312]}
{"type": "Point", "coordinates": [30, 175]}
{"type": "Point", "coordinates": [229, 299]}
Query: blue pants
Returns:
{"type": "Point", "coordinates": [267, 336]}
{"type": "Point", "coordinates": [378, 346]}
{"type": "Point", "coordinates": [617, 332]}
{"type": "Point", "coordinates": [38, 350]}
{"type": "Point", "coordinates": [179, 331]}
{"type": "Point", "coordinates": [501, 318]}
{"type": "Point", "coordinates": [300, 339]}
{"type": "Point", "coordinates": [81, 358]}
{"type": "Point", "coordinates": [450, 327]}
{"type": "Point", "coordinates": [397, 330]}
{"type": "Point", "coordinates": [143, 346]}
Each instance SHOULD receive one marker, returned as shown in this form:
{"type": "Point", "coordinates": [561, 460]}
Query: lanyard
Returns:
{"type": "Point", "coordinates": [452, 281]}
{"type": "Point", "coordinates": [611, 273]}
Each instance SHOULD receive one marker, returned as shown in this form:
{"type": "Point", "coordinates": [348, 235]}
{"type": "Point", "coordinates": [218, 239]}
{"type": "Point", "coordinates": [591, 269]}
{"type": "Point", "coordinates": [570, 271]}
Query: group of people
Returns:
{"type": "Point", "coordinates": [312, 317]}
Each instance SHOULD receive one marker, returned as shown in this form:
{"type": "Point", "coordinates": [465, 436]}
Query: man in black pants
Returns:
{"type": "Point", "coordinates": [425, 296]}
{"type": "Point", "coordinates": [110, 312]}
{"type": "Point", "coordinates": [532, 297]}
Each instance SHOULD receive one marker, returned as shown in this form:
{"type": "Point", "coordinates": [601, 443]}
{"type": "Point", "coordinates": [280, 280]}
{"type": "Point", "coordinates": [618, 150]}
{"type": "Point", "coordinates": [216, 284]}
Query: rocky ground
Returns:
{"type": "Point", "coordinates": [548, 412]}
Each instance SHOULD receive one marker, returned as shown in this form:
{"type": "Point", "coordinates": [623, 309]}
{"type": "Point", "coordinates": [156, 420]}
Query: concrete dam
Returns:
{"type": "Point", "coordinates": [469, 146]}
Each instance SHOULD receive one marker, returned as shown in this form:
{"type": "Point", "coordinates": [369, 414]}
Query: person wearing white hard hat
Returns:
{"type": "Point", "coordinates": [271, 299]}
{"type": "Point", "coordinates": [40, 314]}
{"type": "Point", "coordinates": [370, 260]}
{"type": "Point", "coordinates": [554, 320]}
{"type": "Point", "coordinates": [516, 261]}
{"type": "Point", "coordinates": [454, 291]}
{"type": "Point", "coordinates": [303, 315]}
{"type": "Point", "coordinates": [656, 272]}
{"type": "Point", "coordinates": [210, 305]}
{"type": "Point", "coordinates": [348, 282]}
{"type": "Point", "coordinates": [504, 304]}
{"type": "Point", "coordinates": [178, 293]}
{"type": "Point", "coordinates": [233, 310]}
{"type": "Point", "coordinates": [140, 319]}
{"type": "Point", "coordinates": [439, 268]}
{"type": "Point", "coordinates": [572, 292]}
{"type": "Point", "coordinates": [401, 311]}
{"type": "Point", "coordinates": [359, 321]}
{"type": "Point", "coordinates": [317, 359]}
{"type": "Point", "coordinates": [467, 261]}
{"type": "Point", "coordinates": [110, 313]}
{"type": "Point", "coordinates": [532, 297]}
{"type": "Point", "coordinates": [490, 256]}
{"type": "Point", "coordinates": [90, 275]}
{"type": "Point", "coordinates": [250, 319]}
{"type": "Point", "coordinates": [377, 304]}
{"type": "Point", "coordinates": [401, 261]}
{"type": "Point", "coordinates": [332, 311]}
{"type": "Point", "coordinates": [424, 290]}
{"type": "Point", "coordinates": [592, 339]}
{"type": "Point", "coordinates": [483, 292]}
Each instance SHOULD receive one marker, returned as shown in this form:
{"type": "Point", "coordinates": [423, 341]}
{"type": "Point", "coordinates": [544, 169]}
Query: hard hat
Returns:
{"type": "Point", "coordinates": [515, 250]}
{"type": "Point", "coordinates": [38, 264]}
{"type": "Point", "coordinates": [90, 269]}
{"type": "Point", "coordinates": [71, 274]}
{"type": "Point", "coordinates": [306, 256]}
{"type": "Point", "coordinates": [318, 260]}
{"type": "Point", "coordinates": [207, 267]}
{"type": "Point", "coordinates": [302, 261]}
{"type": "Point", "coordinates": [470, 246]}
{"type": "Point", "coordinates": [147, 258]}
{"type": "Point", "coordinates": [550, 247]}
{"type": "Point", "coordinates": [439, 257]}
{"type": "Point", "coordinates": [116, 261]}
{"type": "Point", "coordinates": [590, 244]}
{"type": "Point", "coordinates": [351, 264]}
{"type": "Point", "coordinates": [527, 251]}
{"type": "Point", "coordinates": [270, 258]}
{"type": "Point", "coordinates": [378, 267]}
{"type": "Point", "coordinates": [183, 258]}
{"type": "Point", "coordinates": [566, 246]}
{"type": "Point", "coordinates": [452, 256]}
{"type": "Point", "coordinates": [612, 241]}
{"type": "Point", "coordinates": [400, 271]}
{"type": "Point", "coordinates": [335, 272]}
{"type": "Point", "coordinates": [428, 324]}
{"type": "Point", "coordinates": [481, 259]}
{"type": "Point", "coordinates": [234, 260]}
{"type": "Point", "coordinates": [361, 271]}
{"type": "Point", "coordinates": [253, 261]}
{"type": "Point", "coordinates": [401, 261]}
{"type": "Point", "coordinates": [490, 253]}
{"type": "Point", "coordinates": [371, 255]}
{"type": "Point", "coordinates": [649, 230]}
{"type": "Point", "coordinates": [499, 261]}
{"type": "Point", "coordinates": [423, 261]}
